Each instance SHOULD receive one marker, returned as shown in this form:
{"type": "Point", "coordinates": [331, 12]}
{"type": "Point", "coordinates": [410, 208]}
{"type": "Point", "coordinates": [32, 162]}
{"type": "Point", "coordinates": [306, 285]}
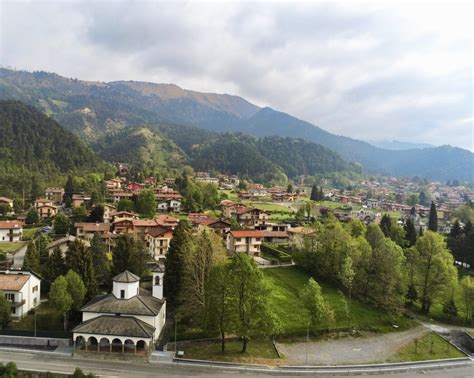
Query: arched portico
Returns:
{"type": "Point", "coordinates": [112, 344]}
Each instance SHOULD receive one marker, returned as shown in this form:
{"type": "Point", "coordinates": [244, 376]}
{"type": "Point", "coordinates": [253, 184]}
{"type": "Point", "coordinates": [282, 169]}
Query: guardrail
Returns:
{"type": "Point", "coordinates": [341, 369]}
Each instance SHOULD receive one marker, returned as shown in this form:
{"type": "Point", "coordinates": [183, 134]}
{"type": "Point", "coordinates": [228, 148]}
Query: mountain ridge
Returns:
{"type": "Point", "coordinates": [112, 107]}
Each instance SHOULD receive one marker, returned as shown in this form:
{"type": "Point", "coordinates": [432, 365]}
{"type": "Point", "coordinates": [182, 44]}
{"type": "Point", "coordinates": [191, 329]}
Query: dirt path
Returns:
{"type": "Point", "coordinates": [350, 350]}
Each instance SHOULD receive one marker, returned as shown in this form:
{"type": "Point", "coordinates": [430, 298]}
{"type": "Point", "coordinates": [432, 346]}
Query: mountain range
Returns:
{"type": "Point", "coordinates": [96, 109]}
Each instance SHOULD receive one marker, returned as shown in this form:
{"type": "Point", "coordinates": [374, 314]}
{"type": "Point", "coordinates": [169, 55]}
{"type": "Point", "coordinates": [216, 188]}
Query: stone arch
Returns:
{"type": "Point", "coordinates": [105, 345]}
{"type": "Point", "coordinates": [80, 342]}
{"type": "Point", "coordinates": [117, 345]}
{"type": "Point", "coordinates": [141, 344]}
{"type": "Point", "coordinates": [92, 344]}
{"type": "Point", "coordinates": [129, 346]}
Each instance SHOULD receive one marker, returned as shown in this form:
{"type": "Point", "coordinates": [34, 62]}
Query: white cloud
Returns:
{"type": "Point", "coordinates": [369, 70]}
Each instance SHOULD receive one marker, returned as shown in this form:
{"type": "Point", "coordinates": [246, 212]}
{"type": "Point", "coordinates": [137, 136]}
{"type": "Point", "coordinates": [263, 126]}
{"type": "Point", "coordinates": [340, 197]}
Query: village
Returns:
{"type": "Point", "coordinates": [265, 223]}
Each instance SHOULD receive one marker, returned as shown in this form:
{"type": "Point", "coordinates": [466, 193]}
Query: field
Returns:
{"type": "Point", "coordinates": [429, 347]}
{"type": "Point", "coordinates": [28, 233]}
{"type": "Point", "coordinates": [259, 351]}
{"type": "Point", "coordinates": [286, 283]}
{"type": "Point", "coordinates": [270, 206]}
{"type": "Point", "coordinates": [230, 194]}
{"type": "Point", "coordinates": [7, 247]}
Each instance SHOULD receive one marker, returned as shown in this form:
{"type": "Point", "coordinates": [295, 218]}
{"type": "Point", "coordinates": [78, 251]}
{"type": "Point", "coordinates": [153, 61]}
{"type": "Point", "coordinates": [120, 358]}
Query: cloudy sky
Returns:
{"type": "Point", "coordinates": [367, 70]}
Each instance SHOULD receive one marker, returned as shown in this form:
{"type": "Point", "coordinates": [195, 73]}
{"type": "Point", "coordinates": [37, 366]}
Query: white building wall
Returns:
{"type": "Point", "coordinates": [131, 289]}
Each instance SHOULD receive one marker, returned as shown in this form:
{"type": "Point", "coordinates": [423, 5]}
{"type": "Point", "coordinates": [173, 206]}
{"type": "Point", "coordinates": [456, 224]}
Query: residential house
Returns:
{"type": "Point", "coordinates": [47, 211]}
{"type": "Point", "coordinates": [6, 201]}
{"type": "Point", "coordinates": [251, 217]}
{"type": "Point", "coordinates": [63, 244]}
{"type": "Point", "coordinates": [128, 320]}
{"type": "Point", "coordinates": [113, 184]}
{"type": "Point", "coordinates": [79, 200]}
{"type": "Point", "coordinates": [219, 226]}
{"type": "Point", "coordinates": [43, 202]}
{"type": "Point", "coordinates": [121, 195]}
{"type": "Point", "coordinates": [121, 215]}
{"type": "Point", "coordinates": [275, 236]}
{"type": "Point", "coordinates": [21, 289]}
{"type": "Point", "coordinates": [86, 231]}
{"type": "Point", "coordinates": [169, 205]}
{"type": "Point", "coordinates": [108, 211]}
{"type": "Point", "coordinates": [11, 231]}
{"type": "Point", "coordinates": [167, 221]}
{"type": "Point", "coordinates": [297, 236]}
{"type": "Point", "coordinates": [159, 239]}
{"type": "Point", "coordinates": [54, 194]}
{"type": "Point", "coordinates": [245, 241]}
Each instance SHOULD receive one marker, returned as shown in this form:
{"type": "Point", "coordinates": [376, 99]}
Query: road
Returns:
{"type": "Point", "coordinates": [19, 256]}
{"type": "Point", "coordinates": [66, 365]}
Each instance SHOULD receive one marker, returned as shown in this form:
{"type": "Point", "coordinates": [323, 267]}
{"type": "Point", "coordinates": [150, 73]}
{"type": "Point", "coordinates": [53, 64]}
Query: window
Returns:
{"type": "Point", "coordinates": [237, 239]}
{"type": "Point", "coordinates": [122, 294]}
{"type": "Point", "coordinates": [157, 280]}
{"type": "Point", "coordinates": [10, 297]}
{"type": "Point", "coordinates": [161, 243]}
{"type": "Point", "coordinates": [35, 289]}
{"type": "Point", "coordinates": [13, 310]}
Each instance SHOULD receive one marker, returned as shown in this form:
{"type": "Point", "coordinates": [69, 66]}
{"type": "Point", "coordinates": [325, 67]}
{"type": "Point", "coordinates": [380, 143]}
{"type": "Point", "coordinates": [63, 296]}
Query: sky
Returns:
{"type": "Point", "coordinates": [368, 70]}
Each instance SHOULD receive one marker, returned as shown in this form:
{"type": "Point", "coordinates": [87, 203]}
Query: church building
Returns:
{"type": "Point", "coordinates": [128, 320]}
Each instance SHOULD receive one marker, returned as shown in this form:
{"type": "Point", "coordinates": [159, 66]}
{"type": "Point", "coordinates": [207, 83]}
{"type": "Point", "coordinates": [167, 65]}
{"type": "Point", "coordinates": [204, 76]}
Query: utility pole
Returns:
{"type": "Point", "coordinates": [307, 341]}
{"type": "Point", "coordinates": [35, 322]}
{"type": "Point", "coordinates": [175, 335]}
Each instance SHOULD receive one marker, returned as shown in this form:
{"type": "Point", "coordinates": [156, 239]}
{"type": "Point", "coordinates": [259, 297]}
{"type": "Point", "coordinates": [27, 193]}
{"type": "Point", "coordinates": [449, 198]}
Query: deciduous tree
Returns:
{"type": "Point", "coordinates": [60, 297]}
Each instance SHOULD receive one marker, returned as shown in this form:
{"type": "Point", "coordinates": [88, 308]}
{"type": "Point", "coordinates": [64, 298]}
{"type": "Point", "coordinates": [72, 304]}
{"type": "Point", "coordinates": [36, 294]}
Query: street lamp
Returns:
{"type": "Point", "coordinates": [307, 341]}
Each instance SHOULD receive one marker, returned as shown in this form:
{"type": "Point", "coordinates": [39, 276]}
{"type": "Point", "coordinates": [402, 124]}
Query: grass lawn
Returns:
{"type": "Point", "coordinates": [47, 319]}
{"type": "Point", "coordinates": [429, 347]}
{"type": "Point", "coordinates": [259, 351]}
{"type": "Point", "coordinates": [286, 283]}
{"type": "Point", "coordinates": [28, 233]}
{"type": "Point", "coordinates": [269, 206]}
{"type": "Point", "coordinates": [10, 247]}
{"type": "Point", "coordinates": [230, 194]}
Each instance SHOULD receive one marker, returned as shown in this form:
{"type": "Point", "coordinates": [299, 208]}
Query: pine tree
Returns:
{"type": "Point", "coordinates": [456, 229]}
{"type": "Point", "coordinates": [41, 246]}
{"type": "Point", "coordinates": [35, 191]}
{"type": "Point", "coordinates": [99, 259]}
{"type": "Point", "coordinates": [55, 266]}
{"type": "Point", "coordinates": [31, 262]}
{"type": "Point", "coordinates": [386, 225]}
{"type": "Point", "coordinates": [314, 193]}
{"type": "Point", "coordinates": [410, 232]}
{"type": "Point", "coordinates": [174, 263]}
{"type": "Point", "coordinates": [69, 189]}
{"type": "Point", "coordinates": [433, 220]}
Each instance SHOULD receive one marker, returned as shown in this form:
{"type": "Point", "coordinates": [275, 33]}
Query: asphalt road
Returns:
{"type": "Point", "coordinates": [66, 365]}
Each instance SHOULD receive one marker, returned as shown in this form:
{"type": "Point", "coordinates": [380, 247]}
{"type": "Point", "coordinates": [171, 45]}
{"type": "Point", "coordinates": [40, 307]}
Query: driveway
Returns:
{"type": "Point", "coordinates": [350, 350]}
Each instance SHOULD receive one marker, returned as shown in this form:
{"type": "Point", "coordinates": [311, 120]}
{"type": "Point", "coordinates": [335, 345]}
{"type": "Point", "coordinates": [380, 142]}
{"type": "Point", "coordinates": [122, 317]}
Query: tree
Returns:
{"type": "Point", "coordinates": [79, 214]}
{"type": "Point", "coordinates": [9, 370]}
{"type": "Point", "coordinates": [386, 225]}
{"type": "Point", "coordinates": [79, 259]}
{"type": "Point", "coordinates": [69, 190]}
{"type": "Point", "coordinates": [467, 289]}
{"type": "Point", "coordinates": [31, 262]}
{"type": "Point", "coordinates": [146, 203]}
{"type": "Point", "coordinates": [202, 253]}
{"type": "Point", "coordinates": [314, 193]}
{"type": "Point", "coordinates": [456, 229]}
{"type": "Point", "coordinates": [35, 191]}
{"type": "Point", "coordinates": [4, 209]}
{"type": "Point", "coordinates": [76, 289]}
{"type": "Point", "coordinates": [221, 296]}
{"type": "Point", "coordinates": [125, 205]}
{"type": "Point", "coordinates": [32, 216]}
{"type": "Point", "coordinates": [174, 263]}
{"type": "Point", "coordinates": [41, 246]}
{"type": "Point", "coordinates": [435, 270]}
{"type": "Point", "coordinates": [450, 309]}
{"type": "Point", "coordinates": [55, 265]}
{"type": "Point", "coordinates": [128, 254]}
{"type": "Point", "coordinates": [5, 311]}
{"type": "Point", "coordinates": [433, 219]}
{"type": "Point", "coordinates": [347, 278]}
{"type": "Point", "coordinates": [253, 315]}
{"type": "Point", "coordinates": [320, 313]}
{"type": "Point", "coordinates": [60, 297]}
{"type": "Point", "coordinates": [96, 215]}
{"type": "Point", "coordinates": [289, 189]}
{"type": "Point", "coordinates": [61, 224]}
{"type": "Point", "coordinates": [99, 259]}
{"type": "Point", "coordinates": [410, 232]}
{"type": "Point", "coordinates": [423, 199]}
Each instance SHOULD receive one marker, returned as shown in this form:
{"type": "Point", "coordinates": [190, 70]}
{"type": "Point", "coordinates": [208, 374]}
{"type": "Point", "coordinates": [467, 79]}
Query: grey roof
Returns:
{"type": "Point", "coordinates": [116, 326]}
{"type": "Point", "coordinates": [137, 305]}
{"type": "Point", "coordinates": [126, 277]}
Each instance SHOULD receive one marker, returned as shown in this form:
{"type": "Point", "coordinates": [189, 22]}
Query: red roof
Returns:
{"type": "Point", "coordinates": [247, 233]}
{"type": "Point", "coordinates": [93, 227]}
{"type": "Point", "coordinates": [10, 224]}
